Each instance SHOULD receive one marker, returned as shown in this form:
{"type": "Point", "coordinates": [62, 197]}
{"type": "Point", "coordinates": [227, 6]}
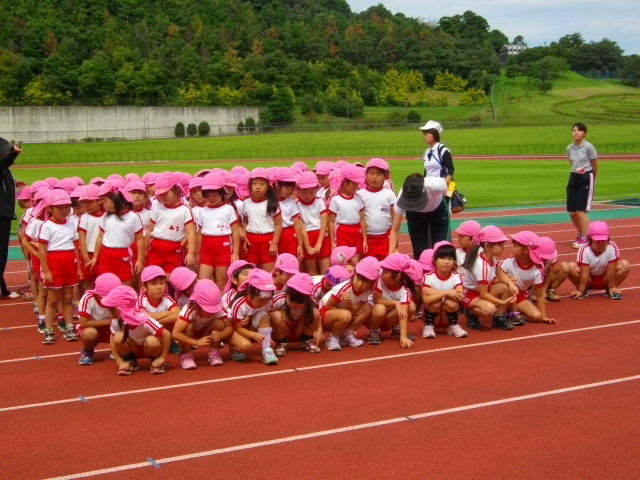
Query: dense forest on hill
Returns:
{"type": "Point", "coordinates": [316, 53]}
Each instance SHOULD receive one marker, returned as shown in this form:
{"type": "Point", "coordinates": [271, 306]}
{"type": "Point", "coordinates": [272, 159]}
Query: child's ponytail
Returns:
{"type": "Point", "coordinates": [125, 329]}
{"type": "Point", "coordinates": [272, 201]}
{"type": "Point", "coordinates": [471, 257]}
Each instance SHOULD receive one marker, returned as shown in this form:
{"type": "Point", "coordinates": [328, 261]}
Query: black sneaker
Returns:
{"type": "Point", "coordinates": [502, 322]}
{"type": "Point", "coordinates": [585, 294]}
{"type": "Point", "coordinates": [48, 338]}
{"type": "Point", "coordinates": [62, 326]}
{"type": "Point", "coordinates": [42, 327]}
{"type": "Point", "coordinates": [70, 335]}
{"type": "Point", "coordinates": [516, 319]}
{"type": "Point", "coordinates": [175, 348]}
{"type": "Point", "coordinates": [473, 322]}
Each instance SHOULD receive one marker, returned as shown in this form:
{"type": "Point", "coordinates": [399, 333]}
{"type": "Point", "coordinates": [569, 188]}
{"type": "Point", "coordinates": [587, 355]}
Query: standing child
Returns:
{"type": "Point", "coordinates": [263, 221]}
{"type": "Point", "coordinates": [59, 261]}
{"type": "Point", "coordinates": [467, 237]}
{"type": "Point", "coordinates": [88, 231]}
{"type": "Point", "coordinates": [30, 244]}
{"type": "Point", "coordinates": [346, 307]}
{"type": "Point", "coordinates": [95, 318]}
{"type": "Point", "coordinates": [315, 220]}
{"type": "Point", "coordinates": [134, 334]}
{"type": "Point", "coordinates": [392, 296]}
{"type": "Point", "coordinates": [183, 282]}
{"type": "Point", "coordinates": [554, 273]}
{"type": "Point", "coordinates": [196, 200]}
{"type": "Point", "coordinates": [599, 265]}
{"type": "Point", "coordinates": [378, 209]}
{"type": "Point", "coordinates": [347, 222]}
{"type": "Point", "coordinates": [291, 238]}
{"type": "Point", "coordinates": [483, 297]}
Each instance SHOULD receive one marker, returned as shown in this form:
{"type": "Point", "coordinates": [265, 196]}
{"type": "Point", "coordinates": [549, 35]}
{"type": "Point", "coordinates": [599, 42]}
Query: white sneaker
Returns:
{"type": "Point", "coordinates": [348, 338]}
{"type": "Point", "coordinates": [456, 330]}
{"type": "Point", "coordinates": [428, 331]}
{"type": "Point", "coordinates": [333, 344]}
{"type": "Point", "coordinates": [13, 295]}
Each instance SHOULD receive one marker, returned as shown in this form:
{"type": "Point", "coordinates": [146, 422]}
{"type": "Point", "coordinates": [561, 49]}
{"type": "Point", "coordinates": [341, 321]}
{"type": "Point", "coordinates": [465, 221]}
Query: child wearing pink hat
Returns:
{"type": "Point", "coordinates": [467, 237]}
{"type": "Point", "coordinates": [392, 299]}
{"type": "Point", "coordinates": [323, 169]}
{"type": "Point", "coordinates": [347, 221]}
{"type": "Point", "coordinates": [156, 302]}
{"type": "Point", "coordinates": [140, 200]}
{"type": "Point", "coordinates": [332, 277]}
{"type": "Point", "coordinates": [183, 282]}
{"type": "Point", "coordinates": [249, 315]}
{"type": "Point", "coordinates": [171, 228]}
{"type": "Point", "coordinates": [262, 220]}
{"type": "Point", "coordinates": [88, 230]}
{"type": "Point", "coordinates": [134, 334]}
{"type": "Point", "coordinates": [346, 307]}
{"type": "Point", "coordinates": [237, 274]}
{"type": "Point", "coordinates": [524, 270]}
{"type": "Point", "coordinates": [119, 229]}
{"type": "Point", "coordinates": [315, 220]}
{"type": "Point", "coordinates": [598, 265]}
{"type": "Point", "coordinates": [31, 246]}
{"type": "Point", "coordinates": [286, 266]}
{"type": "Point", "coordinates": [482, 297]}
{"type": "Point", "coordinates": [554, 272]}
{"type": "Point", "coordinates": [295, 317]}
{"type": "Point", "coordinates": [202, 323]}
{"type": "Point", "coordinates": [291, 237]}
{"type": "Point", "coordinates": [196, 200]}
{"type": "Point", "coordinates": [95, 318]}
{"type": "Point", "coordinates": [343, 256]}
{"type": "Point", "coordinates": [378, 209]}
{"type": "Point", "coordinates": [218, 231]}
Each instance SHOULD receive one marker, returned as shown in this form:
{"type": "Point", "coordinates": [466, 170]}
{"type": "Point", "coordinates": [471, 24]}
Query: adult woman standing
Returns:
{"type": "Point", "coordinates": [437, 158]}
{"type": "Point", "coordinates": [8, 155]}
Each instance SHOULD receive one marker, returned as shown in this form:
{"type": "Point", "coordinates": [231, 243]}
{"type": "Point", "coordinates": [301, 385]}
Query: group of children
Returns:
{"type": "Point", "coordinates": [168, 263]}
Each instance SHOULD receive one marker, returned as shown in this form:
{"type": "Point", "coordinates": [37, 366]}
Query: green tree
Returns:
{"type": "Point", "coordinates": [192, 129]}
{"type": "Point", "coordinates": [602, 56]}
{"type": "Point", "coordinates": [546, 69]}
{"type": "Point", "coordinates": [179, 130]}
{"type": "Point", "coordinates": [203, 129]}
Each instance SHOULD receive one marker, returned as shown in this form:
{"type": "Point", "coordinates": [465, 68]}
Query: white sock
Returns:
{"type": "Point", "coordinates": [266, 334]}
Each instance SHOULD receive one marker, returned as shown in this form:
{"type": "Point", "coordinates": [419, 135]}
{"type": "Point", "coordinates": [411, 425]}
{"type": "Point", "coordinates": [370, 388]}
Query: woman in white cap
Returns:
{"type": "Point", "coordinates": [437, 158]}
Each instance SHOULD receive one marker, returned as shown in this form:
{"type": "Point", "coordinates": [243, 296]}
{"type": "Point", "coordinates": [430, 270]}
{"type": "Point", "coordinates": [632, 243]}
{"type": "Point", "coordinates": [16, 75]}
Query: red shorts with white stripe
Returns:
{"type": "Point", "coordinates": [258, 251]}
{"type": "Point", "coordinates": [469, 296]}
{"type": "Point", "coordinates": [522, 296]}
{"type": "Point", "coordinates": [86, 273]}
{"type": "Point", "coordinates": [215, 251]}
{"type": "Point", "coordinates": [165, 254]}
{"type": "Point", "coordinates": [378, 246]}
{"type": "Point", "coordinates": [288, 242]}
{"type": "Point", "coordinates": [598, 282]}
{"type": "Point", "coordinates": [349, 236]}
{"type": "Point", "coordinates": [64, 269]}
{"type": "Point", "coordinates": [117, 261]}
{"type": "Point", "coordinates": [325, 249]}
{"type": "Point", "coordinates": [104, 333]}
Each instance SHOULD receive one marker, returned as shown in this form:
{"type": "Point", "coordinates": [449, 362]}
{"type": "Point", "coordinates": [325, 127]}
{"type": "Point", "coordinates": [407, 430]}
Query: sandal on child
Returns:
{"type": "Point", "coordinates": [616, 296]}
{"type": "Point", "coordinates": [128, 370]}
{"type": "Point", "coordinates": [157, 370]}
{"type": "Point", "coordinates": [552, 295]}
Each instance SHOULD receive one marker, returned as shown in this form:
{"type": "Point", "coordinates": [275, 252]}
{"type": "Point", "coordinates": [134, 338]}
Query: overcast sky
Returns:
{"type": "Point", "coordinates": [538, 21]}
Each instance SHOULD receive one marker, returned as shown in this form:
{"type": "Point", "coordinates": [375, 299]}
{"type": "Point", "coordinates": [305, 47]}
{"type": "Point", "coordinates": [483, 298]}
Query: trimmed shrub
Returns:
{"type": "Point", "coordinates": [473, 97]}
{"type": "Point", "coordinates": [241, 127]}
{"type": "Point", "coordinates": [250, 123]}
{"type": "Point", "coordinates": [413, 117]}
{"type": "Point", "coordinates": [192, 129]}
{"type": "Point", "coordinates": [179, 130]}
{"type": "Point", "coordinates": [449, 82]}
{"type": "Point", "coordinates": [204, 129]}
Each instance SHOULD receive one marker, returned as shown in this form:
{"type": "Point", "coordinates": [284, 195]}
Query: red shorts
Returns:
{"type": "Point", "coordinates": [258, 253]}
{"type": "Point", "coordinates": [134, 252]}
{"type": "Point", "coordinates": [104, 333]}
{"type": "Point", "coordinates": [117, 261]}
{"type": "Point", "coordinates": [349, 236]}
{"type": "Point", "coordinates": [522, 296]}
{"type": "Point", "coordinates": [378, 246]}
{"type": "Point", "coordinates": [325, 249]}
{"type": "Point", "coordinates": [215, 251]}
{"type": "Point", "coordinates": [35, 265]}
{"type": "Point", "coordinates": [288, 242]}
{"type": "Point", "coordinates": [323, 312]}
{"type": "Point", "coordinates": [64, 269]}
{"type": "Point", "coordinates": [165, 254]}
{"type": "Point", "coordinates": [598, 282]}
{"type": "Point", "coordinates": [89, 274]}
{"type": "Point", "coordinates": [469, 296]}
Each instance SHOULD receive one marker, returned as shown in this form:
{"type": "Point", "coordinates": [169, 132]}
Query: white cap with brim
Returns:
{"type": "Point", "coordinates": [431, 124]}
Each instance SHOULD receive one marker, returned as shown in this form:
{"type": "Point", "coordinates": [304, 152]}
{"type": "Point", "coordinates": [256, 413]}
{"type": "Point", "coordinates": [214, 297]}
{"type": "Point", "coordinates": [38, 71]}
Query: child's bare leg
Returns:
{"type": "Point", "coordinates": [324, 264]}
{"type": "Point", "coordinates": [152, 347]}
{"type": "Point", "coordinates": [220, 274]}
{"type": "Point", "coordinates": [239, 343]}
{"type": "Point", "coordinates": [574, 274]}
{"type": "Point", "coordinates": [529, 311]}
{"type": "Point", "coordinates": [363, 313]}
{"type": "Point", "coordinates": [622, 272]}
{"type": "Point", "coordinates": [67, 305]}
{"type": "Point", "coordinates": [206, 271]}
{"type": "Point", "coordinates": [310, 266]}
{"type": "Point", "coordinates": [482, 308]}
{"type": "Point", "coordinates": [336, 321]}
{"type": "Point", "coordinates": [89, 337]}
{"type": "Point", "coordinates": [501, 291]}
{"type": "Point", "coordinates": [559, 275]}
{"type": "Point", "coordinates": [53, 298]}
{"type": "Point", "coordinates": [377, 317]}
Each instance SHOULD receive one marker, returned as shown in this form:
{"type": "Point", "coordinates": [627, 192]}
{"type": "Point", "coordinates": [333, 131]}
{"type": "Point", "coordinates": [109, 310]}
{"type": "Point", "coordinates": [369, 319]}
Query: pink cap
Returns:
{"type": "Point", "coordinates": [369, 268]}
{"type": "Point", "coordinates": [151, 272]}
{"type": "Point", "coordinates": [129, 177]}
{"type": "Point", "coordinates": [125, 298]}
{"type": "Point", "coordinates": [287, 263]}
{"type": "Point", "coordinates": [41, 194]}
{"type": "Point", "coordinates": [184, 179]}
{"type": "Point", "coordinates": [39, 184]}
{"type": "Point", "coordinates": [212, 181]}
{"type": "Point", "coordinates": [144, 177]}
{"type": "Point", "coordinates": [426, 260]}
{"type": "Point", "coordinates": [598, 231]}
{"type": "Point", "coordinates": [491, 234]}
{"type": "Point", "coordinates": [301, 165]}
{"type": "Point", "coordinates": [78, 180]}
{"type": "Point", "coordinates": [232, 268]}
{"type": "Point", "coordinates": [284, 174]}
{"type": "Point", "coordinates": [24, 193]}
{"type": "Point", "coordinates": [532, 242]}
{"type": "Point", "coordinates": [151, 179]}
{"type": "Point", "coordinates": [39, 209]}
{"type": "Point", "coordinates": [135, 185]}
{"type": "Point", "coordinates": [196, 182]}
{"type": "Point", "coordinates": [52, 181]}
{"type": "Point", "coordinates": [396, 261]}
{"type": "Point", "coordinates": [110, 187]}
{"type": "Point", "coordinates": [242, 186]}
{"type": "Point", "coordinates": [260, 280]}
{"type": "Point", "coordinates": [105, 283]}
{"type": "Point", "coordinates": [441, 244]}
{"type": "Point", "coordinates": [207, 295]}
{"type": "Point", "coordinates": [58, 197]}
{"type": "Point", "coordinates": [227, 179]}
{"type": "Point", "coordinates": [415, 271]}
{"type": "Point", "coordinates": [301, 282]}
{"type": "Point", "coordinates": [239, 170]}
{"type": "Point", "coordinates": [259, 173]}
{"type": "Point", "coordinates": [115, 176]}
{"type": "Point", "coordinates": [307, 180]}
{"type": "Point", "coordinates": [341, 255]}
{"type": "Point", "coordinates": [353, 173]}
{"type": "Point", "coordinates": [67, 184]}
{"type": "Point", "coordinates": [547, 248]}
{"type": "Point", "coordinates": [341, 163]}
{"type": "Point", "coordinates": [377, 163]}
{"type": "Point", "coordinates": [470, 228]}
{"type": "Point", "coordinates": [324, 168]}
{"type": "Point", "coordinates": [296, 171]}
{"type": "Point", "coordinates": [166, 181]}
{"type": "Point", "coordinates": [182, 278]}
{"type": "Point", "coordinates": [77, 192]}
{"type": "Point", "coordinates": [202, 173]}
{"type": "Point", "coordinates": [336, 274]}
{"type": "Point", "coordinates": [90, 192]}
{"type": "Point", "coordinates": [96, 181]}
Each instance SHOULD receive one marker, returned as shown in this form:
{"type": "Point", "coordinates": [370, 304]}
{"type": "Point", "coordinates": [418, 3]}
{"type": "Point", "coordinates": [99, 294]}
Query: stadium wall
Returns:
{"type": "Point", "coordinates": [63, 124]}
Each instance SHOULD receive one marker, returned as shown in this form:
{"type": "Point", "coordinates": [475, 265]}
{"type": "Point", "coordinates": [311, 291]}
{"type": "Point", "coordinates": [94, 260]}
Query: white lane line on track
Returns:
{"type": "Point", "coordinates": [350, 428]}
{"type": "Point", "coordinates": [313, 367]}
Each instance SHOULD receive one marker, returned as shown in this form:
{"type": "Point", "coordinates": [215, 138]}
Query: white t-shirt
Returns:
{"type": "Point", "coordinates": [317, 293]}
{"type": "Point", "coordinates": [139, 333]}
{"type": "Point", "coordinates": [377, 209]}
{"type": "Point", "coordinates": [460, 256]}
{"type": "Point", "coordinates": [239, 207]}
{"type": "Point", "coordinates": [525, 277]}
{"type": "Point", "coordinates": [279, 302]}
{"type": "Point", "coordinates": [189, 314]}
{"type": "Point", "coordinates": [482, 272]}
{"type": "Point", "coordinates": [289, 210]}
{"type": "Point", "coordinates": [91, 309]}
{"type": "Point", "coordinates": [120, 232]}
{"type": "Point", "coordinates": [33, 229]}
{"type": "Point", "coordinates": [402, 295]}
{"type": "Point", "coordinates": [258, 221]}
{"type": "Point", "coordinates": [26, 216]}
{"type": "Point", "coordinates": [90, 225]}
{"type": "Point", "coordinates": [165, 304]}
{"type": "Point", "coordinates": [74, 219]}
{"type": "Point", "coordinates": [226, 299]}
{"type": "Point", "coordinates": [59, 237]}
{"type": "Point", "coordinates": [346, 210]}
{"type": "Point", "coordinates": [436, 188]}
{"type": "Point", "coordinates": [182, 300]}
{"type": "Point", "coordinates": [145, 218]}
{"type": "Point", "coordinates": [436, 282]}
{"type": "Point", "coordinates": [310, 213]}
{"type": "Point", "coordinates": [242, 308]}
{"type": "Point", "coordinates": [322, 191]}
{"type": "Point", "coordinates": [344, 287]}
{"type": "Point", "coordinates": [598, 263]}
{"type": "Point", "coordinates": [216, 221]}
{"type": "Point", "coordinates": [169, 223]}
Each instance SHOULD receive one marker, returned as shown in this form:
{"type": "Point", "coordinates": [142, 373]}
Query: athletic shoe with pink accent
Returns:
{"type": "Point", "coordinates": [349, 339]}
{"type": "Point", "coordinates": [187, 362]}
{"type": "Point", "coordinates": [333, 343]}
{"type": "Point", "coordinates": [214, 357]}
